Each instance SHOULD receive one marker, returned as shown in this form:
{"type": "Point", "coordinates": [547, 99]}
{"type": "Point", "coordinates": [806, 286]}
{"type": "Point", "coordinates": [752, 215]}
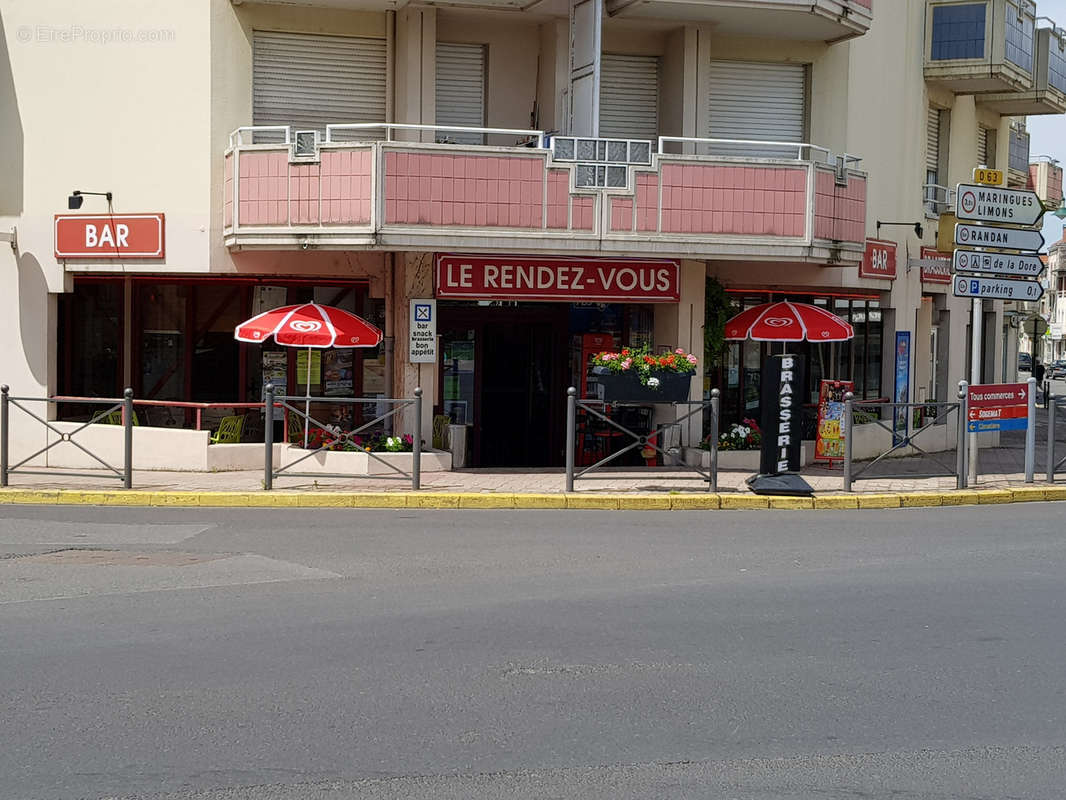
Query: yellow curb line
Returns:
{"type": "Point", "coordinates": [508, 500]}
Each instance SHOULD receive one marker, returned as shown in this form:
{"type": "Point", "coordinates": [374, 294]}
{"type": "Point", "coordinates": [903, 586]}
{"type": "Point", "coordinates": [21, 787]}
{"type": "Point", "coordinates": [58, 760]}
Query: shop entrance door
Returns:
{"type": "Point", "coordinates": [519, 383]}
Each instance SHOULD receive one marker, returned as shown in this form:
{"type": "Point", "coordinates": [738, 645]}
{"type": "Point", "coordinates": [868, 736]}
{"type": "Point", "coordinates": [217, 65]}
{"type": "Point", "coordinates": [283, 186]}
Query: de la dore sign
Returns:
{"type": "Point", "coordinates": [557, 278]}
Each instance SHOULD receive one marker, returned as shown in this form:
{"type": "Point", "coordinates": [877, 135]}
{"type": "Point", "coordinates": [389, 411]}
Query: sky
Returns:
{"type": "Point", "coordinates": [1047, 134]}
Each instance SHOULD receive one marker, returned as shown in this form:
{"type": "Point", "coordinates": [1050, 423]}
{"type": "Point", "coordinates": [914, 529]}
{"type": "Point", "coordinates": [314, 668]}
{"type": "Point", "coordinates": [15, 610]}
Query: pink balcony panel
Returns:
{"type": "Point", "coordinates": [647, 202]}
{"type": "Point", "coordinates": [261, 185]}
{"type": "Point", "coordinates": [839, 211]}
{"type": "Point", "coordinates": [347, 189]}
{"type": "Point", "coordinates": [622, 214]}
{"type": "Point", "coordinates": [449, 189]}
{"type": "Point", "coordinates": [227, 192]}
{"type": "Point", "coordinates": [746, 201]}
{"type": "Point", "coordinates": [558, 198]}
{"type": "Point", "coordinates": [582, 213]}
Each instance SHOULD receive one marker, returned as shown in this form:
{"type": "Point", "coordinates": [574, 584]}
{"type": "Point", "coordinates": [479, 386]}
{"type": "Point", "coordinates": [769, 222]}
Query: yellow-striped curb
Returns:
{"type": "Point", "coordinates": [744, 501]}
{"type": "Point", "coordinates": [791, 502]}
{"type": "Point", "coordinates": [486, 500]}
{"type": "Point", "coordinates": [540, 501]}
{"type": "Point", "coordinates": [695, 502]}
{"type": "Point", "coordinates": [960, 498]}
{"type": "Point", "coordinates": [920, 499]}
{"type": "Point", "coordinates": [1028, 494]}
{"type": "Point", "coordinates": [1055, 493]}
{"type": "Point", "coordinates": [643, 503]}
{"type": "Point", "coordinates": [594, 501]}
{"type": "Point", "coordinates": [879, 501]}
{"type": "Point", "coordinates": [993, 496]}
{"type": "Point", "coordinates": [836, 501]}
{"type": "Point", "coordinates": [433, 500]}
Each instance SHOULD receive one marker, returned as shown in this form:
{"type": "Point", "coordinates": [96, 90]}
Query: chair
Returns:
{"type": "Point", "coordinates": [113, 418]}
{"type": "Point", "coordinates": [229, 430]}
{"type": "Point", "coordinates": [295, 426]}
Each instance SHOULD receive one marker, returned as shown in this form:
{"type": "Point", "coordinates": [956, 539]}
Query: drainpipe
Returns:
{"type": "Point", "coordinates": [390, 66]}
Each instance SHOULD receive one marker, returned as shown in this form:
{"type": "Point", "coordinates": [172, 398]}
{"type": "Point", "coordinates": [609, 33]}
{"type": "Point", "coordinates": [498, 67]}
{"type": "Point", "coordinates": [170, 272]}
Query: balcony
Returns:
{"type": "Point", "coordinates": [980, 46]}
{"type": "Point", "coordinates": [1048, 95]}
{"type": "Point", "coordinates": [1045, 178]}
{"type": "Point", "coordinates": [811, 20]}
{"type": "Point", "coordinates": [572, 196]}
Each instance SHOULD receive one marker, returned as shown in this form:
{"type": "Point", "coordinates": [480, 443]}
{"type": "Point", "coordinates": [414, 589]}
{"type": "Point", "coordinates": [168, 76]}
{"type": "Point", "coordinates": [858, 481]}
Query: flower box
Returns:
{"type": "Point", "coordinates": [356, 462]}
{"type": "Point", "coordinates": [626, 388]}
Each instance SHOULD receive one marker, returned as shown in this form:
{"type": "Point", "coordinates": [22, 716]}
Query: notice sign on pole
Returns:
{"type": "Point", "coordinates": [423, 336]}
{"type": "Point", "coordinates": [782, 406]}
{"type": "Point", "coordinates": [997, 288]}
{"type": "Point", "coordinates": [976, 203]}
{"type": "Point", "coordinates": [998, 407]}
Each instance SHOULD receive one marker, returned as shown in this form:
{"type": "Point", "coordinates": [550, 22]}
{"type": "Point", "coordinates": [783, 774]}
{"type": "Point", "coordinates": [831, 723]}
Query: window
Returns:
{"type": "Point", "coordinates": [1056, 68]}
{"type": "Point", "coordinates": [986, 146]}
{"type": "Point", "coordinates": [935, 160]}
{"type": "Point", "coordinates": [629, 97]}
{"type": "Point", "coordinates": [958, 32]}
{"type": "Point", "coordinates": [1018, 46]}
{"type": "Point", "coordinates": [1018, 158]}
{"type": "Point", "coordinates": [759, 102]}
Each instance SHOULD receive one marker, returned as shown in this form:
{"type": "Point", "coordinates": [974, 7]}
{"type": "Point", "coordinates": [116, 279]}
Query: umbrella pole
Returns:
{"type": "Point", "coordinates": [307, 400]}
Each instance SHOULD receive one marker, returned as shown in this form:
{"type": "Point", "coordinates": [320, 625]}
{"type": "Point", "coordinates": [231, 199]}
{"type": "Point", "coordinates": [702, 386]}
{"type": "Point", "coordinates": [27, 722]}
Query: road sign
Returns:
{"type": "Point", "coordinates": [1037, 326]}
{"type": "Point", "coordinates": [998, 238]}
{"type": "Point", "coordinates": [998, 407]}
{"type": "Point", "coordinates": [988, 177]}
{"type": "Point", "coordinates": [1022, 266]}
{"type": "Point", "coordinates": [992, 204]}
{"type": "Point", "coordinates": [996, 288]}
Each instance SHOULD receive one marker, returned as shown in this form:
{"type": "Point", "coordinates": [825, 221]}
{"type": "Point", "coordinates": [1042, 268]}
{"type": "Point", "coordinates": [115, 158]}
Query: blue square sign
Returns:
{"type": "Point", "coordinates": [975, 287]}
{"type": "Point", "coordinates": [423, 313]}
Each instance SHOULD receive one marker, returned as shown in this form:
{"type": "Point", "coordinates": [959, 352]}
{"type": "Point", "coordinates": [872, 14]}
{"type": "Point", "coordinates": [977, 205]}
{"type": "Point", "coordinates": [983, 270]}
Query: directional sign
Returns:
{"type": "Point", "coordinates": [998, 407]}
{"type": "Point", "coordinates": [966, 260]}
{"type": "Point", "coordinates": [998, 238]}
{"type": "Point", "coordinates": [996, 288]}
{"type": "Point", "coordinates": [992, 204]}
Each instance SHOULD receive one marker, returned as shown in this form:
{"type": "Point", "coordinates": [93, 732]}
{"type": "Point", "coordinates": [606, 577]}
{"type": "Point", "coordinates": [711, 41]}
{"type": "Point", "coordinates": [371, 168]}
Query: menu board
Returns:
{"type": "Point", "coordinates": [316, 367]}
{"type": "Point", "coordinates": [275, 370]}
{"type": "Point", "coordinates": [337, 364]}
{"type": "Point", "coordinates": [829, 437]}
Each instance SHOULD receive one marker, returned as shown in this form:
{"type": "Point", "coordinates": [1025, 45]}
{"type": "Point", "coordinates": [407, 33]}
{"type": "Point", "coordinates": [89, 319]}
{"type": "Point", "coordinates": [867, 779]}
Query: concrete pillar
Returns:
{"type": "Point", "coordinates": [681, 325]}
{"type": "Point", "coordinates": [413, 280]}
{"type": "Point", "coordinates": [415, 92]}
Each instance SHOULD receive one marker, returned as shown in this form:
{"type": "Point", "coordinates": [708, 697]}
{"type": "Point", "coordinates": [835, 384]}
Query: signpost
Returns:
{"type": "Point", "coordinates": [997, 289]}
{"type": "Point", "coordinates": [1001, 251]}
{"type": "Point", "coordinates": [996, 407]}
{"type": "Point", "coordinates": [1026, 266]}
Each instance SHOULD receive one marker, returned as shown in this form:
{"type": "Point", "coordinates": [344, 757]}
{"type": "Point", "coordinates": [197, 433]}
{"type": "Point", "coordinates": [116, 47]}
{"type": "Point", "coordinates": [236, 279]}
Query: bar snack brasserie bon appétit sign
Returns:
{"type": "Point", "coordinates": [535, 278]}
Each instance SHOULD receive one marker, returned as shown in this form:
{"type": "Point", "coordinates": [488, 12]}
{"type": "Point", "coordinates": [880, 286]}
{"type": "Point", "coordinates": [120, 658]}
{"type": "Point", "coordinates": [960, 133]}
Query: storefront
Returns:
{"type": "Point", "coordinates": [515, 332]}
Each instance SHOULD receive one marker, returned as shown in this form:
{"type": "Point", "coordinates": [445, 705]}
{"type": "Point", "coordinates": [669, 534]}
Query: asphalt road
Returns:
{"type": "Point", "coordinates": [280, 654]}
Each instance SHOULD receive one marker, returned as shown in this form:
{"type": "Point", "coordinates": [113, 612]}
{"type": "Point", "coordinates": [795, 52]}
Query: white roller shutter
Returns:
{"type": "Point", "coordinates": [308, 81]}
{"type": "Point", "coordinates": [932, 140]}
{"type": "Point", "coordinates": [629, 97]}
{"type": "Point", "coordinates": [984, 156]}
{"type": "Point", "coordinates": [757, 101]}
{"type": "Point", "coordinates": [461, 91]}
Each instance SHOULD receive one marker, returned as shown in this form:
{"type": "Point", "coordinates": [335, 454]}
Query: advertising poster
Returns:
{"type": "Point", "coordinates": [902, 387]}
{"type": "Point", "coordinates": [337, 364]}
{"type": "Point", "coordinates": [829, 437]}
{"type": "Point", "coordinates": [275, 370]}
{"type": "Point", "coordinates": [316, 367]}
{"type": "Point", "coordinates": [374, 375]}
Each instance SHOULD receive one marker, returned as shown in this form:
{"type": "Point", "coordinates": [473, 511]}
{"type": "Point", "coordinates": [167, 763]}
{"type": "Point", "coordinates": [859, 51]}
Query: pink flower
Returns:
{"type": "Point", "coordinates": [679, 351]}
{"type": "Point", "coordinates": [691, 359]}
{"type": "Point", "coordinates": [627, 363]}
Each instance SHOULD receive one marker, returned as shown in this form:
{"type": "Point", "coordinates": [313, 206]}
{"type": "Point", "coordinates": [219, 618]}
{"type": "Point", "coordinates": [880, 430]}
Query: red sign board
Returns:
{"type": "Point", "coordinates": [110, 236]}
{"type": "Point", "coordinates": [879, 260]}
{"type": "Point", "coordinates": [996, 395]}
{"type": "Point", "coordinates": [941, 273]}
{"type": "Point", "coordinates": [557, 278]}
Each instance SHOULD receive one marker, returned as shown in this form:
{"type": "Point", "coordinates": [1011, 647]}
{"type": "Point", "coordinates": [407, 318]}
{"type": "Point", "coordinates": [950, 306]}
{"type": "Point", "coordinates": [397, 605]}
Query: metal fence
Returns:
{"type": "Point", "coordinates": [594, 408]}
{"type": "Point", "coordinates": [333, 439]}
{"type": "Point", "coordinates": [122, 407]}
{"type": "Point", "coordinates": [934, 462]}
{"type": "Point", "coordinates": [1054, 467]}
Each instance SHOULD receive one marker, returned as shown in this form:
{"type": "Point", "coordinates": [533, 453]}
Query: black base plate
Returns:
{"type": "Point", "coordinates": [785, 484]}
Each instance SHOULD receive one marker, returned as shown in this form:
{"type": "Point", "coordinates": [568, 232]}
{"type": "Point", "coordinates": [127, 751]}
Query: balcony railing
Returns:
{"type": "Point", "coordinates": [802, 201]}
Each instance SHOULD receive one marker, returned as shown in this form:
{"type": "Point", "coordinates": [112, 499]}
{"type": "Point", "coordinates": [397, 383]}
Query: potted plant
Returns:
{"type": "Point", "coordinates": [739, 447]}
{"type": "Point", "coordinates": [636, 375]}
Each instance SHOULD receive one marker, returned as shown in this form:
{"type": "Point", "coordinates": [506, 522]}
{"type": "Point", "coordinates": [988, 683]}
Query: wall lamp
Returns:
{"type": "Point", "coordinates": [918, 231]}
{"type": "Point", "coordinates": [77, 196]}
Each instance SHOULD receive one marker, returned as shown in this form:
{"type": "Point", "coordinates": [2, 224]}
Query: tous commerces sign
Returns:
{"type": "Point", "coordinates": [536, 278]}
{"type": "Point", "coordinates": [109, 236]}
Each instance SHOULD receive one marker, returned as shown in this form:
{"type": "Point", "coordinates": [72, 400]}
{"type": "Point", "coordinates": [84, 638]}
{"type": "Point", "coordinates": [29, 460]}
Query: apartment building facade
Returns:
{"type": "Point", "coordinates": [557, 176]}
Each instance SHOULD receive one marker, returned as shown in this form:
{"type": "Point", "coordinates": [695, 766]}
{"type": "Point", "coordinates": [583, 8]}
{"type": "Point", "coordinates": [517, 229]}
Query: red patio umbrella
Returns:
{"type": "Point", "coordinates": [309, 325]}
{"type": "Point", "coordinates": [785, 321]}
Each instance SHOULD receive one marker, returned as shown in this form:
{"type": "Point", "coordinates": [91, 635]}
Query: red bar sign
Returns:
{"type": "Point", "coordinates": [535, 278]}
{"type": "Point", "coordinates": [879, 260]}
{"type": "Point", "coordinates": [998, 395]}
{"type": "Point", "coordinates": [111, 236]}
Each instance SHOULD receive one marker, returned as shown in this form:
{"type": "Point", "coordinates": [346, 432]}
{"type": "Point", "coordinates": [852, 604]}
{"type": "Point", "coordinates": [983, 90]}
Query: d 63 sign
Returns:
{"type": "Point", "coordinates": [110, 236]}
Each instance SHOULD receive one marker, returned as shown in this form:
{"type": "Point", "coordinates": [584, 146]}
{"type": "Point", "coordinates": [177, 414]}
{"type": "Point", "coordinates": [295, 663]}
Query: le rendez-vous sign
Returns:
{"type": "Point", "coordinates": [556, 278]}
{"type": "Point", "coordinates": [110, 236]}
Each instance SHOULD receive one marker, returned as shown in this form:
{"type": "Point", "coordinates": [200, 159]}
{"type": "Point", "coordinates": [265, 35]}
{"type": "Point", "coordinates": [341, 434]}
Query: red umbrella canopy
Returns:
{"type": "Point", "coordinates": [784, 321]}
{"type": "Point", "coordinates": [309, 325]}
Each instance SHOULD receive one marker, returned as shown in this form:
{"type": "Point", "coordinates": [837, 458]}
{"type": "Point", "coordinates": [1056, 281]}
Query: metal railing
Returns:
{"type": "Point", "coordinates": [198, 408]}
{"type": "Point", "coordinates": [652, 439]}
{"type": "Point", "coordinates": [750, 144]}
{"type": "Point", "coordinates": [237, 137]}
{"type": "Point", "coordinates": [1053, 404]}
{"type": "Point", "coordinates": [112, 406]}
{"type": "Point", "coordinates": [943, 410]}
{"type": "Point", "coordinates": [332, 438]}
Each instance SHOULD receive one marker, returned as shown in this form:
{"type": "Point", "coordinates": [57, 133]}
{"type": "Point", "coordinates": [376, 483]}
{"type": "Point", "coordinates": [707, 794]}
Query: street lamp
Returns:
{"type": "Point", "coordinates": [77, 197]}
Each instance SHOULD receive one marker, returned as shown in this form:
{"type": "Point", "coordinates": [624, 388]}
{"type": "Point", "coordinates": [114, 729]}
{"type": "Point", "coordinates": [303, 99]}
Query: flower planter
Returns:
{"type": "Point", "coordinates": [728, 460]}
{"type": "Point", "coordinates": [626, 388]}
{"type": "Point", "coordinates": [343, 462]}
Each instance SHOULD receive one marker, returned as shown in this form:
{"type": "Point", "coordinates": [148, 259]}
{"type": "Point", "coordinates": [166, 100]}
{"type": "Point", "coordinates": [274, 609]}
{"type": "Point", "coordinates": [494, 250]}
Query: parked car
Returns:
{"type": "Point", "coordinates": [1025, 362]}
{"type": "Point", "coordinates": [1057, 370]}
